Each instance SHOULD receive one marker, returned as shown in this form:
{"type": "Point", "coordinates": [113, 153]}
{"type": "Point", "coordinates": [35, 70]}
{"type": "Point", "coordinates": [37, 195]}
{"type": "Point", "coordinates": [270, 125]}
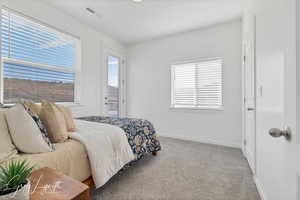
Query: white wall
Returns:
{"type": "Point", "coordinates": [148, 79]}
{"type": "Point", "coordinates": [93, 44]}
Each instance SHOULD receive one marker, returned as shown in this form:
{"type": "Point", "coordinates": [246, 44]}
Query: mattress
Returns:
{"type": "Point", "coordinates": [69, 157]}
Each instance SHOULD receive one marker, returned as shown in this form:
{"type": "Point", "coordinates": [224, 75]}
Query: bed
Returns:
{"type": "Point", "coordinates": [119, 142]}
{"type": "Point", "coordinates": [141, 134]}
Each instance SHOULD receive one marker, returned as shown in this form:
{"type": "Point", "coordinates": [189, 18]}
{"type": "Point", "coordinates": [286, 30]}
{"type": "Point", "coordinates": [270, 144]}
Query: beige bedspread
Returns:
{"type": "Point", "coordinates": [107, 147]}
{"type": "Point", "coordinates": [69, 158]}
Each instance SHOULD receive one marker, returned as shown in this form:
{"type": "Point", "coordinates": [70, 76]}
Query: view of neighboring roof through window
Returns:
{"type": "Point", "coordinates": [39, 62]}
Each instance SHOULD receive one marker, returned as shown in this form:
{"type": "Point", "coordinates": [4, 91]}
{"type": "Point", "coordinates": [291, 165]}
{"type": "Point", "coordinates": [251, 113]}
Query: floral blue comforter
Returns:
{"type": "Point", "coordinates": [140, 133]}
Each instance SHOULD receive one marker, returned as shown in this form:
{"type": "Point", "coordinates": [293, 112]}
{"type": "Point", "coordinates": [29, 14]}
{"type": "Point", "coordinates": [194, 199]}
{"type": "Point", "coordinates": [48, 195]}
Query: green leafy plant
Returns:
{"type": "Point", "coordinates": [14, 176]}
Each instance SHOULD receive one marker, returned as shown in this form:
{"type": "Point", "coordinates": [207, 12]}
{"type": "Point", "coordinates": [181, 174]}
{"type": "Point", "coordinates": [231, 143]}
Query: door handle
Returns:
{"type": "Point", "coordinates": [286, 132]}
{"type": "Point", "coordinates": [250, 109]}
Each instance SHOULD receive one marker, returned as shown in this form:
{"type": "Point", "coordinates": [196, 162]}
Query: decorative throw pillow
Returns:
{"type": "Point", "coordinates": [54, 122]}
{"type": "Point", "coordinates": [34, 107]}
{"type": "Point", "coordinates": [25, 133]}
{"type": "Point", "coordinates": [40, 125]}
{"type": "Point", "coordinates": [7, 149]}
{"type": "Point", "coordinates": [68, 117]}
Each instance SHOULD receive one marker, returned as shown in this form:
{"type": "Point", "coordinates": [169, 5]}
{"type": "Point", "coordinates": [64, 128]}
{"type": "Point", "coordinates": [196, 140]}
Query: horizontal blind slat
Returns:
{"type": "Point", "coordinates": [35, 54]}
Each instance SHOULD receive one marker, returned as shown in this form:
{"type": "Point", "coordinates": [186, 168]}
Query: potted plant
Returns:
{"type": "Point", "coordinates": [14, 183]}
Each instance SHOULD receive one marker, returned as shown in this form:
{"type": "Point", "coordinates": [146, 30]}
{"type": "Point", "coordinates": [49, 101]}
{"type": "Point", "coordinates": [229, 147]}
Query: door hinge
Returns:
{"type": "Point", "coordinates": [244, 59]}
{"type": "Point", "coordinates": [245, 142]}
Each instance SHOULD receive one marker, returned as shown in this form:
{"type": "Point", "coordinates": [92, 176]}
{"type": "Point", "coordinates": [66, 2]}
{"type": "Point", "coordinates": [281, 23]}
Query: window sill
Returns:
{"type": "Point", "coordinates": [66, 104]}
{"type": "Point", "coordinates": [197, 108]}
{"type": "Point", "coordinates": [69, 104]}
{"type": "Point", "coordinates": [7, 105]}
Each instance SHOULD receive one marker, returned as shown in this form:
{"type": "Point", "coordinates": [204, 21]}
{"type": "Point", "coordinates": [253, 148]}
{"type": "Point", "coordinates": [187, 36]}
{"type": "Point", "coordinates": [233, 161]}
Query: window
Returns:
{"type": "Point", "coordinates": [38, 62]}
{"type": "Point", "coordinates": [113, 86]}
{"type": "Point", "coordinates": [197, 84]}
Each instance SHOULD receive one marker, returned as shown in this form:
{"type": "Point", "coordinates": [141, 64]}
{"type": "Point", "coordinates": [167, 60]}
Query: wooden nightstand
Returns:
{"type": "Point", "coordinates": [49, 184]}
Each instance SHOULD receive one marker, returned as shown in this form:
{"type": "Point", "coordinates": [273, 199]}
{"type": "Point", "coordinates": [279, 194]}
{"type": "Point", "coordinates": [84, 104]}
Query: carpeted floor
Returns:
{"type": "Point", "coordinates": [184, 171]}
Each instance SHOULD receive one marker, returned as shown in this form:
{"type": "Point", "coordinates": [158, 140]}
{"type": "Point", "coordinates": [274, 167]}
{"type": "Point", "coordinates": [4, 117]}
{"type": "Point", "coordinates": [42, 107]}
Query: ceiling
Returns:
{"type": "Point", "coordinates": [131, 22]}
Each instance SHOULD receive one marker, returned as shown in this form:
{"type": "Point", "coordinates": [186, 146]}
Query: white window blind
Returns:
{"type": "Point", "coordinates": [38, 61]}
{"type": "Point", "coordinates": [197, 84]}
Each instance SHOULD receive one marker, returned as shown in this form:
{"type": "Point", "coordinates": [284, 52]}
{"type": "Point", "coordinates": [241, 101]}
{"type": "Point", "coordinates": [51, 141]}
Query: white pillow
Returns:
{"type": "Point", "coordinates": [7, 149]}
{"type": "Point", "coordinates": [24, 131]}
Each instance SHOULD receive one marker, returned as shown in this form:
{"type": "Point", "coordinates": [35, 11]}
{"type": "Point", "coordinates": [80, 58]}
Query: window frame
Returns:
{"type": "Point", "coordinates": [195, 61]}
{"type": "Point", "coordinates": [77, 67]}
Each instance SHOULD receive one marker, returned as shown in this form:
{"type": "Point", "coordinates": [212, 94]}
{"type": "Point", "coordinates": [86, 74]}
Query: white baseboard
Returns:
{"type": "Point", "coordinates": [260, 189]}
{"type": "Point", "coordinates": [250, 160]}
{"type": "Point", "coordinates": [194, 139]}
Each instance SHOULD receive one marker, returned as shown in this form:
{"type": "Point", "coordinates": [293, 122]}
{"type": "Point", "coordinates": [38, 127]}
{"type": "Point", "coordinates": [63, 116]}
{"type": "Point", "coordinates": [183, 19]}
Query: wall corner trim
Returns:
{"type": "Point", "coordinates": [259, 188]}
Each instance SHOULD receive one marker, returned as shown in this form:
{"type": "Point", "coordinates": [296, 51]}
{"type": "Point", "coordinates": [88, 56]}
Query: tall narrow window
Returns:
{"type": "Point", "coordinates": [38, 62]}
{"type": "Point", "coordinates": [197, 84]}
{"type": "Point", "coordinates": [113, 87]}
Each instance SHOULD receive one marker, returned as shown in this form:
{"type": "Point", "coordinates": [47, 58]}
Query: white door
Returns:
{"type": "Point", "coordinates": [113, 92]}
{"type": "Point", "coordinates": [249, 90]}
{"type": "Point", "coordinates": [278, 159]}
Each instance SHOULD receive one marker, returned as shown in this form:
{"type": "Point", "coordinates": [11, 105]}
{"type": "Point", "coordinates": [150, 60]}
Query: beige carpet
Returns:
{"type": "Point", "coordinates": [184, 171]}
